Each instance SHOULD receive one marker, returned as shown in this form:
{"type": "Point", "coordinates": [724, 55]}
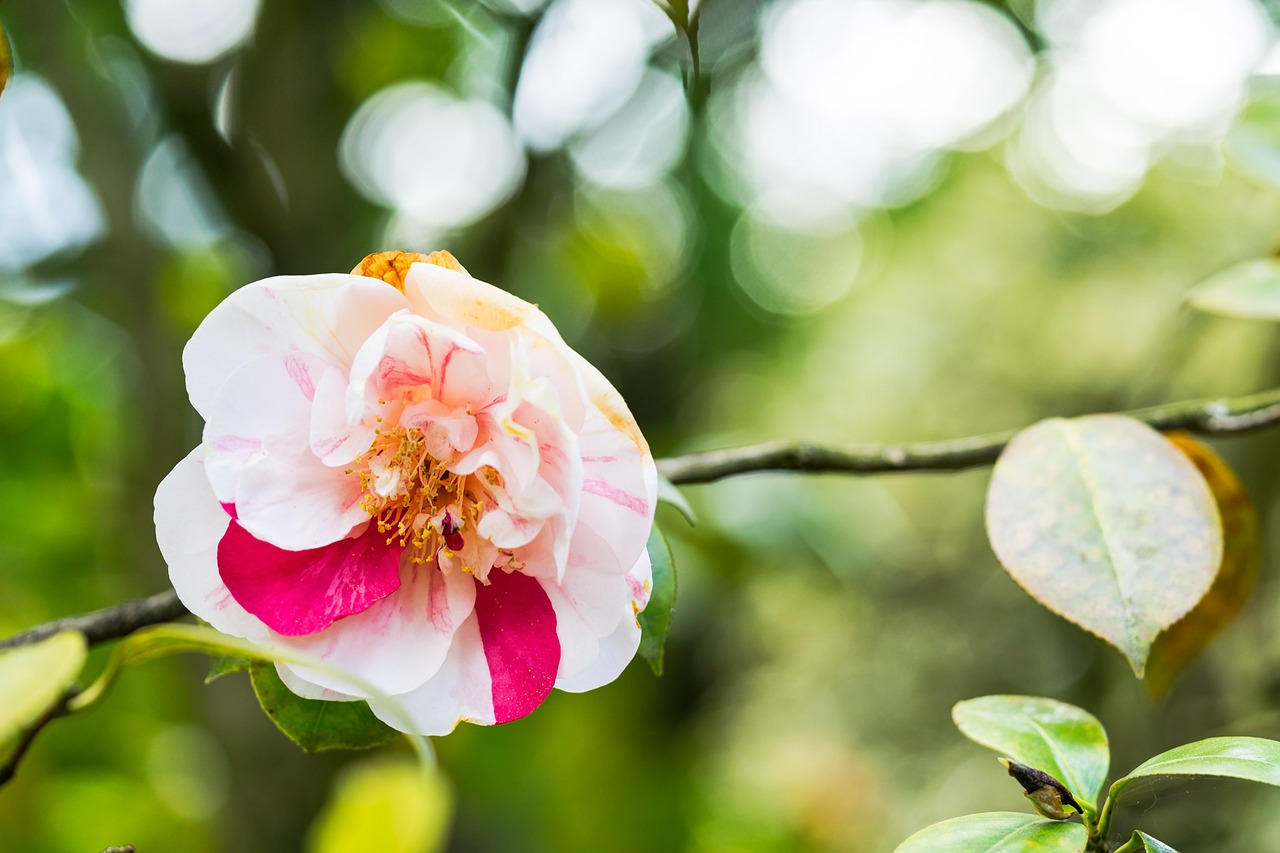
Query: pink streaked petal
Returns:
{"type": "Point", "coordinates": [327, 316]}
{"type": "Point", "coordinates": [446, 431]}
{"type": "Point", "coordinates": [617, 649]}
{"type": "Point", "coordinates": [189, 525]}
{"type": "Point", "coordinates": [399, 642]}
{"type": "Point", "coordinates": [620, 489]}
{"type": "Point", "coordinates": [333, 439]}
{"type": "Point", "coordinates": [459, 692]}
{"type": "Point", "coordinates": [302, 592]}
{"type": "Point", "coordinates": [412, 357]}
{"type": "Point", "coordinates": [291, 499]}
{"type": "Point", "coordinates": [518, 628]}
{"type": "Point", "coordinates": [266, 398]}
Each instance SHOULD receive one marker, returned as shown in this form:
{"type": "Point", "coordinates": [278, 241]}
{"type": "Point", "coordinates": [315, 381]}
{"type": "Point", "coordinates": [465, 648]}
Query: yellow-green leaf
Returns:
{"type": "Point", "coordinates": [385, 805]}
{"type": "Point", "coordinates": [35, 678]}
{"type": "Point", "coordinates": [1107, 524]}
{"type": "Point", "coordinates": [1250, 289]}
{"type": "Point", "coordinates": [1241, 559]}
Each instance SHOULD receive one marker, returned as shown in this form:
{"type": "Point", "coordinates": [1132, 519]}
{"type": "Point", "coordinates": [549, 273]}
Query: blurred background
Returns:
{"type": "Point", "coordinates": [887, 220]}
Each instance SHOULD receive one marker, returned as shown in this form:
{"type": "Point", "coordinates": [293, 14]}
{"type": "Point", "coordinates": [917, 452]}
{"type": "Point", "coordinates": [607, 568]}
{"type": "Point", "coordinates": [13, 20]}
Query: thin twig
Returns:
{"type": "Point", "coordinates": [109, 623]}
{"type": "Point", "coordinates": [1217, 415]}
{"type": "Point", "coordinates": [1212, 416]}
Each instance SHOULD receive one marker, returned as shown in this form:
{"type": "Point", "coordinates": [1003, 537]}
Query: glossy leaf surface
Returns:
{"type": "Point", "coordinates": [1064, 741]}
{"type": "Point", "coordinates": [997, 832]}
{"type": "Point", "coordinates": [1250, 758]}
{"type": "Point", "coordinates": [1106, 523]}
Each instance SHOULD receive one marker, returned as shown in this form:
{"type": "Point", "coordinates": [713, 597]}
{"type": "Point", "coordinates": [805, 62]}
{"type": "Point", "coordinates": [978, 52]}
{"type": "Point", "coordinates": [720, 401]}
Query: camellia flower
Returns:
{"type": "Point", "coordinates": [407, 473]}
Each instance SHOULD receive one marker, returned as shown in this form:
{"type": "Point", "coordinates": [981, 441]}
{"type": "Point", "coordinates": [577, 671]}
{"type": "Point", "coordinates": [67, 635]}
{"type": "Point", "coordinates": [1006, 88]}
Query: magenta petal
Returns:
{"type": "Point", "coordinates": [301, 592]}
{"type": "Point", "coordinates": [518, 630]}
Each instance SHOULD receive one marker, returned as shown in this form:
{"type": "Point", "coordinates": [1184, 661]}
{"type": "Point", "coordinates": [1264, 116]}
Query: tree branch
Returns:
{"type": "Point", "coordinates": [1212, 416]}
{"type": "Point", "coordinates": [109, 623]}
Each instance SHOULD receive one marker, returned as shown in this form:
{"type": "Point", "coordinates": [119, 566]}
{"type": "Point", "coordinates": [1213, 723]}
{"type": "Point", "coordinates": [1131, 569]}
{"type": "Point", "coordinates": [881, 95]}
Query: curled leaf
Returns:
{"type": "Point", "coordinates": [1241, 559]}
{"type": "Point", "coordinates": [1107, 524]}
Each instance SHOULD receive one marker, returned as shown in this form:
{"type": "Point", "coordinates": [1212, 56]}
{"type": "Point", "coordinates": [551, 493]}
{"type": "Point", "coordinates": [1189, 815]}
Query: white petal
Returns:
{"type": "Point", "coordinates": [461, 691]}
{"type": "Point", "coordinates": [398, 643]}
{"type": "Point", "coordinates": [189, 525]}
{"type": "Point", "coordinates": [307, 690]}
{"type": "Point", "coordinates": [323, 315]}
{"type": "Point", "coordinates": [461, 301]}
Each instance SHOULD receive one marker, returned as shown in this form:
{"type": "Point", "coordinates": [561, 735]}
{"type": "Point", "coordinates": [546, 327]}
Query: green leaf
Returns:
{"type": "Point", "coordinates": [387, 806]}
{"type": "Point", "coordinates": [655, 619]}
{"type": "Point", "coordinates": [1151, 845]}
{"type": "Point", "coordinates": [1107, 524]}
{"type": "Point", "coordinates": [1064, 741]}
{"type": "Point", "coordinates": [36, 678]}
{"type": "Point", "coordinates": [1253, 759]}
{"type": "Point", "coordinates": [225, 665]}
{"type": "Point", "coordinates": [317, 725]}
{"type": "Point", "coordinates": [1250, 290]}
{"type": "Point", "coordinates": [997, 832]}
{"type": "Point", "coordinates": [669, 494]}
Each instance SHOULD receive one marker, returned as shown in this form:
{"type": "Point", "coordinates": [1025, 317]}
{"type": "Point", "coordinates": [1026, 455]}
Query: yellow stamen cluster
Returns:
{"type": "Point", "coordinates": [405, 488]}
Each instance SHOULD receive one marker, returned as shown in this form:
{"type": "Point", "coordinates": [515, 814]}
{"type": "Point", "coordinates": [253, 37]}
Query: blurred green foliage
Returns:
{"type": "Point", "coordinates": [825, 626]}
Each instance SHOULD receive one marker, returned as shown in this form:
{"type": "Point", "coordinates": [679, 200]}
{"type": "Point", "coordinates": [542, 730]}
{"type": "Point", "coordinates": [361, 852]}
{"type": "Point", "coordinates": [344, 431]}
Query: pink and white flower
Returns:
{"type": "Point", "coordinates": [407, 473]}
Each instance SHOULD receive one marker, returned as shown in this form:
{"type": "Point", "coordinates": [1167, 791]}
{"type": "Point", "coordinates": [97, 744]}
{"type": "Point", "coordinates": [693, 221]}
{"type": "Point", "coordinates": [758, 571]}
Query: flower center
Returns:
{"type": "Point", "coordinates": [412, 497]}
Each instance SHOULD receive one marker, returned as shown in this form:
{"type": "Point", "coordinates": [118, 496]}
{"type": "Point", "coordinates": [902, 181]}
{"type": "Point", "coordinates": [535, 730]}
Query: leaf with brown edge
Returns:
{"type": "Point", "coordinates": [1241, 560]}
{"type": "Point", "coordinates": [1107, 524]}
{"type": "Point", "coordinates": [6, 59]}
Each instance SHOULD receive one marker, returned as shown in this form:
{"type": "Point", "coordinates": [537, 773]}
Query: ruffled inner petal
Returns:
{"type": "Point", "coordinates": [518, 628]}
{"type": "Point", "coordinates": [301, 592]}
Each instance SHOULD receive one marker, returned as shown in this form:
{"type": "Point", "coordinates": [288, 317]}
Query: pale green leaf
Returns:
{"type": "Point", "coordinates": [997, 832]}
{"type": "Point", "coordinates": [655, 619]}
{"type": "Point", "coordinates": [1107, 524]}
{"type": "Point", "coordinates": [1064, 741]}
{"type": "Point", "coordinates": [225, 665]}
{"type": "Point", "coordinates": [317, 725]}
{"type": "Point", "coordinates": [35, 678]}
{"type": "Point", "coordinates": [1250, 289]}
{"type": "Point", "coordinates": [1250, 758]}
{"type": "Point", "coordinates": [669, 494]}
{"type": "Point", "coordinates": [1151, 845]}
{"type": "Point", "coordinates": [386, 806]}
